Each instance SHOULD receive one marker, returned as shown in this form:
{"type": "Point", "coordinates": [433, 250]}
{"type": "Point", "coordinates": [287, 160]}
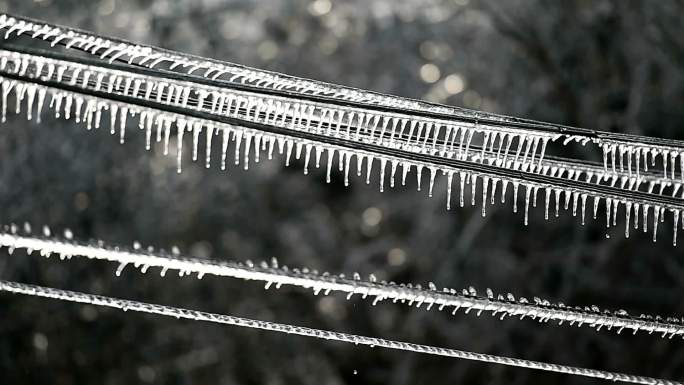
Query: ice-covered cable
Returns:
{"type": "Point", "coordinates": [274, 275]}
{"type": "Point", "coordinates": [265, 133]}
{"type": "Point", "coordinates": [617, 149]}
{"type": "Point", "coordinates": [194, 315]}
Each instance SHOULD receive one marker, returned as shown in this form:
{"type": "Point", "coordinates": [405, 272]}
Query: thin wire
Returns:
{"type": "Point", "coordinates": [169, 311]}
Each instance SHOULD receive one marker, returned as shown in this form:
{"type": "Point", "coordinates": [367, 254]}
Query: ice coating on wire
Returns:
{"type": "Point", "coordinates": [89, 110]}
{"type": "Point", "coordinates": [116, 49]}
{"type": "Point", "coordinates": [619, 151]}
{"type": "Point", "coordinates": [194, 315]}
{"type": "Point", "coordinates": [404, 135]}
{"type": "Point", "coordinates": [510, 148]}
{"type": "Point", "coordinates": [274, 275]}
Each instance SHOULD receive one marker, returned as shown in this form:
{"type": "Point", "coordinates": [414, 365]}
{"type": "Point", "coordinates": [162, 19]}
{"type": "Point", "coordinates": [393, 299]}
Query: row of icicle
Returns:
{"type": "Point", "coordinates": [615, 149]}
{"type": "Point", "coordinates": [449, 139]}
{"type": "Point", "coordinates": [88, 110]}
{"type": "Point", "coordinates": [452, 140]}
{"type": "Point", "coordinates": [359, 126]}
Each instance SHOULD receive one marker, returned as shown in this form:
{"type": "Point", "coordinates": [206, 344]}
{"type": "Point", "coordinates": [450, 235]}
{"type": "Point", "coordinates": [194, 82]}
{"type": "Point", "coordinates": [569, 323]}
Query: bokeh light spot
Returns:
{"type": "Point", "coordinates": [454, 84]}
{"type": "Point", "coordinates": [429, 73]}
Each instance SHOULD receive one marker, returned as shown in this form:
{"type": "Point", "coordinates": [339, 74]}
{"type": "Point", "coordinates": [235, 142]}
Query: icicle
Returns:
{"type": "Point", "coordinates": [196, 128]}
{"type": "Point", "coordinates": [6, 88]}
{"type": "Point", "coordinates": [383, 164]}
{"type": "Point", "coordinates": [597, 199]}
{"type": "Point", "coordinates": [675, 218]}
{"type": "Point", "coordinates": [113, 112]}
{"type": "Point", "coordinates": [307, 157]}
{"type": "Point", "coordinates": [122, 124]}
{"type": "Point", "coordinates": [330, 155]}
{"type": "Point", "coordinates": [146, 124]}
{"type": "Point", "coordinates": [119, 269]}
{"type": "Point", "coordinates": [319, 151]}
{"type": "Point", "coordinates": [575, 197]}
{"type": "Point", "coordinates": [237, 138]}
{"type": "Point", "coordinates": [636, 216]}
{"type": "Point", "coordinates": [527, 203]}
{"type": "Point", "coordinates": [433, 175]}
{"type": "Point", "coordinates": [57, 99]}
{"type": "Point", "coordinates": [248, 143]}
{"type": "Point", "coordinates": [20, 91]}
{"type": "Point", "coordinates": [656, 217]}
{"type": "Point", "coordinates": [181, 130]}
{"type": "Point", "coordinates": [369, 167]}
{"type": "Point", "coordinates": [485, 185]}
{"type": "Point", "coordinates": [393, 171]}
{"type": "Point", "coordinates": [628, 213]}
{"type": "Point", "coordinates": [473, 189]}
{"type": "Point", "coordinates": [288, 153]}
{"type": "Point", "coordinates": [504, 187]}
{"type": "Point", "coordinates": [89, 111]}
{"type": "Point", "coordinates": [167, 135]}
{"type": "Point", "coordinates": [347, 160]}
{"type": "Point", "coordinates": [79, 104]}
{"type": "Point", "coordinates": [224, 147]}
{"type": "Point", "coordinates": [359, 163]}
{"type": "Point", "coordinates": [258, 144]}
{"type": "Point", "coordinates": [462, 176]}
{"type": "Point", "coordinates": [419, 175]}
{"type": "Point", "coordinates": [68, 100]}
{"type": "Point", "coordinates": [160, 126]}
{"type": "Point", "coordinates": [546, 202]}
{"type": "Point", "coordinates": [450, 177]}
{"type": "Point", "coordinates": [29, 101]}
{"type": "Point", "coordinates": [515, 196]}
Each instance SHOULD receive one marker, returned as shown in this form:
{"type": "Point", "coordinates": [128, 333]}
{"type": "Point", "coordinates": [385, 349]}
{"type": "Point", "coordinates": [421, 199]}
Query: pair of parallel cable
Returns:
{"type": "Point", "coordinates": [252, 113]}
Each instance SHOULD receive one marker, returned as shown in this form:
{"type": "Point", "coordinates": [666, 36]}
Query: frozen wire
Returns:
{"type": "Point", "coordinates": [194, 315]}
{"type": "Point", "coordinates": [274, 275]}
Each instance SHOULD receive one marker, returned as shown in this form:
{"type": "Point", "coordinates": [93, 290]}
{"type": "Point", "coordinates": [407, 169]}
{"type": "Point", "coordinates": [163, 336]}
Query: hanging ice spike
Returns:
{"type": "Point", "coordinates": [274, 275]}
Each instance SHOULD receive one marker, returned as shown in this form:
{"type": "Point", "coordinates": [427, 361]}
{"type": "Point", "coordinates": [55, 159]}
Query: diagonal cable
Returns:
{"type": "Point", "coordinates": [87, 92]}
{"type": "Point", "coordinates": [274, 275]}
{"type": "Point", "coordinates": [194, 315]}
{"type": "Point", "coordinates": [615, 147]}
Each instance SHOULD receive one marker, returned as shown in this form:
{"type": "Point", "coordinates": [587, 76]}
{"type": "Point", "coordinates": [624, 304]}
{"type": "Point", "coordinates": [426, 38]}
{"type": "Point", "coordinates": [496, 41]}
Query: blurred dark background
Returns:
{"type": "Point", "coordinates": [609, 65]}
